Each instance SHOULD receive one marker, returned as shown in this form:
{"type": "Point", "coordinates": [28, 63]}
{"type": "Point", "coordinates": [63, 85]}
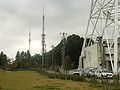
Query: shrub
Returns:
{"type": "Point", "coordinates": [75, 78]}
{"type": "Point", "coordinates": [62, 76]}
{"type": "Point", "coordinates": [93, 80]}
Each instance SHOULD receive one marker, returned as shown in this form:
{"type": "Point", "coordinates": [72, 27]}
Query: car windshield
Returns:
{"type": "Point", "coordinates": [104, 71]}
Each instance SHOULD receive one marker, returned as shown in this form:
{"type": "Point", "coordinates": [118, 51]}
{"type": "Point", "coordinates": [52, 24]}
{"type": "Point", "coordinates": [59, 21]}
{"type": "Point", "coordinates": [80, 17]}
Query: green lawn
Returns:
{"type": "Point", "coordinates": [31, 80]}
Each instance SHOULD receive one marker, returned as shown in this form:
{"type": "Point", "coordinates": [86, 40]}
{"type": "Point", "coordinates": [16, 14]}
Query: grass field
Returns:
{"type": "Point", "coordinates": [31, 80]}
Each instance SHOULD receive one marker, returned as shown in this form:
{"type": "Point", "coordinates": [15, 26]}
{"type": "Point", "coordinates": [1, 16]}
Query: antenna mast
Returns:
{"type": "Point", "coordinates": [29, 39]}
{"type": "Point", "coordinates": [43, 36]}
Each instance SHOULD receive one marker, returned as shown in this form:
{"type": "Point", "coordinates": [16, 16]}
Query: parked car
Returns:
{"type": "Point", "coordinates": [86, 73]}
{"type": "Point", "coordinates": [89, 72]}
{"type": "Point", "coordinates": [77, 72]}
{"type": "Point", "coordinates": [103, 73]}
{"type": "Point", "coordinates": [92, 73]}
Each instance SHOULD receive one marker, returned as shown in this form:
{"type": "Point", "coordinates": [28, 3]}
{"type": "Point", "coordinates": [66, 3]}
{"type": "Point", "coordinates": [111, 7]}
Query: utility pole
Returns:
{"type": "Point", "coordinates": [29, 39]}
{"type": "Point", "coordinates": [43, 37]}
{"type": "Point", "coordinates": [52, 57]}
{"type": "Point", "coordinates": [63, 53]}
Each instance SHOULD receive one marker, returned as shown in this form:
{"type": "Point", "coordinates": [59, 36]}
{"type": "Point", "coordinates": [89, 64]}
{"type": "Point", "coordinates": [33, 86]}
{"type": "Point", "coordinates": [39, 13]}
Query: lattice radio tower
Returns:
{"type": "Point", "coordinates": [104, 22]}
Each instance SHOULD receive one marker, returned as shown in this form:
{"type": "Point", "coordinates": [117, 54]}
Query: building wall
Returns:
{"type": "Point", "coordinates": [91, 57]}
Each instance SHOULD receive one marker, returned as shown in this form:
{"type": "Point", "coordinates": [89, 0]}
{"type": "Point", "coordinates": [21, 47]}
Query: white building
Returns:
{"type": "Point", "coordinates": [98, 55]}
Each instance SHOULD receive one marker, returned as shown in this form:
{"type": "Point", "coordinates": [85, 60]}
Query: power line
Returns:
{"type": "Point", "coordinates": [56, 41]}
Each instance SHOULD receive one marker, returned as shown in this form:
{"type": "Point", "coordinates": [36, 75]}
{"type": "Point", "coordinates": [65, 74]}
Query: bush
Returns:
{"type": "Point", "coordinates": [62, 76]}
{"type": "Point", "coordinates": [93, 80]}
{"type": "Point", "coordinates": [52, 75]}
{"type": "Point", "coordinates": [75, 78]}
{"type": "Point", "coordinates": [116, 80]}
{"type": "Point", "coordinates": [71, 77]}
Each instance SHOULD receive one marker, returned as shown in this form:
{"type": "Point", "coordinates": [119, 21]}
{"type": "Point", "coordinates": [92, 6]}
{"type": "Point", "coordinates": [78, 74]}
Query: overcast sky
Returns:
{"type": "Point", "coordinates": [68, 16]}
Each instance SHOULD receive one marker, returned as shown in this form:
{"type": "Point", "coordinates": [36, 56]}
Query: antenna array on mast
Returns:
{"type": "Point", "coordinates": [29, 39]}
{"type": "Point", "coordinates": [43, 35]}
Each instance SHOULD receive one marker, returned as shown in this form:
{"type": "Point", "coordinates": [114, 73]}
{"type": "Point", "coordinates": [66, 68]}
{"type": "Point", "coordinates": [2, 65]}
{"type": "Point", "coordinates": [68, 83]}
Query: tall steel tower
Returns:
{"type": "Point", "coordinates": [43, 36]}
{"type": "Point", "coordinates": [29, 39]}
{"type": "Point", "coordinates": [104, 22]}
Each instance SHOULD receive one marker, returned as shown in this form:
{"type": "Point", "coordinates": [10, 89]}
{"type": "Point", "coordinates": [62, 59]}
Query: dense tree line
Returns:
{"type": "Point", "coordinates": [24, 60]}
{"type": "Point", "coordinates": [73, 47]}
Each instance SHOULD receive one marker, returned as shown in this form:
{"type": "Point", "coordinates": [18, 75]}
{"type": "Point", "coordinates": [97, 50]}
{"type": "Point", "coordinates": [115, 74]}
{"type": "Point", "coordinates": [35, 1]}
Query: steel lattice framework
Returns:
{"type": "Point", "coordinates": [104, 21]}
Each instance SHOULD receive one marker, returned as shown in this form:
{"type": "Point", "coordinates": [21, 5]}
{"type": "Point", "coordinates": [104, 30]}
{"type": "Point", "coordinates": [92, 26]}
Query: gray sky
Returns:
{"type": "Point", "coordinates": [68, 16]}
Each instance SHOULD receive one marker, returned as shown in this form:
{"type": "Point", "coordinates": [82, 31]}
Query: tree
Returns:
{"type": "Point", "coordinates": [73, 49]}
{"type": "Point", "coordinates": [3, 61]}
{"type": "Point", "coordinates": [17, 56]}
{"type": "Point", "coordinates": [28, 55]}
{"type": "Point", "coordinates": [68, 63]}
{"type": "Point", "coordinates": [19, 60]}
{"type": "Point", "coordinates": [13, 65]}
{"type": "Point", "coordinates": [36, 61]}
{"type": "Point", "coordinates": [24, 60]}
